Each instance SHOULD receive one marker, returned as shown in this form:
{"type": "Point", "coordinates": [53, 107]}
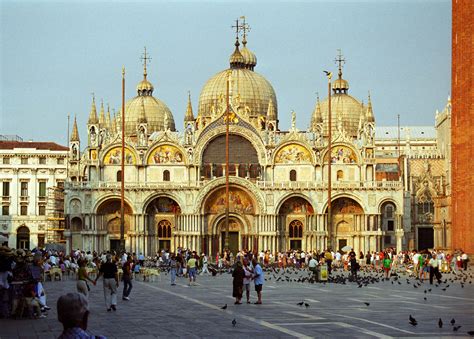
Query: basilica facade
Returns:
{"type": "Point", "coordinates": [175, 183]}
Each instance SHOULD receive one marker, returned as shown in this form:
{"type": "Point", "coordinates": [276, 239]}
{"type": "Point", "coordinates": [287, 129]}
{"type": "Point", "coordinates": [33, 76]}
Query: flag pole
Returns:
{"type": "Point", "coordinates": [122, 172]}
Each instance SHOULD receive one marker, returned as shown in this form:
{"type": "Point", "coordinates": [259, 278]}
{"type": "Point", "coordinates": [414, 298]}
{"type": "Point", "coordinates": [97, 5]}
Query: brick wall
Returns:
{"type": "Point", "coordinates": [462, 125]}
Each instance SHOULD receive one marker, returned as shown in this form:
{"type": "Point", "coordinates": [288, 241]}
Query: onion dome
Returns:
{"type": "Point", "coordinates": [254, 90]}
{"type": "Point", "coordinates": [250, 59]}
{"type": "Point", "coordinates": [343, 106]}
{"type": "Point", "coordinates": [154, 109]}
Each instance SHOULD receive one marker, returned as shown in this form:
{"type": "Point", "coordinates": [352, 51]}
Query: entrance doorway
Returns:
{"type": "Point", "coordinates": [164, 245]}
{"type": "Point", "coordinates": [425, 238]}
{"type": "Point", "coordinates": [23, 238]}
{"type": "Point", "coordinates": [342, 243]}
{"type": "Point", "coordinates": [114, 244]}
{"type": "Point", "coordinates": [233, 242]}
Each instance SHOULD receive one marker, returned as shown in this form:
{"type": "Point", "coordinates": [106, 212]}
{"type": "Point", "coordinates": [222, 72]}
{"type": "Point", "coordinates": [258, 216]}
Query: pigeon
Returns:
{"type": "Point", "coordinates": [444, 289]}
{"type": "Point", "coordinates": [224, 307]}
{"type": "Point", "coordinates": [306, 304]}
{"type": "Point", "coordinates": [234, 322]}
{"type": "Point", "coordinates": [453, 322]}
{"type": "Point", "coordinates": [412, 320]}
{"type": "Point", "coordinates": [471, 333]}
{"type": "Point", "coordinates": [368, 304]}
{"type": "Point", "coordinates": [456, 328]}
{"type": "Point", "coordinates": [429, 290]}
{"type": "Point", "coordinates": [300, 304]}
{"type": "Point", "coordinates": [440, 323]}
{"type": "Point", "coordinates": [415, 286]}
{"type": "Point", "coordinates": [424, 298]}
{"type": "Point", "coordinates": [425, 291]}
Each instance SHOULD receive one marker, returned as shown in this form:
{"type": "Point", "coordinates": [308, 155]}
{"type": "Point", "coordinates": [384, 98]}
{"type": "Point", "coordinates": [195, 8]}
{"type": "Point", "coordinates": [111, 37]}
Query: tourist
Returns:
{"type": "Point", "coordinates": [83, 278]}
{"type": "Point", "coordinates": [368, 258]}
{"type": "Point", "coordinates": [328, 257]}
{"type": "Point", "coordinates": [258, 279]}
{"type": "Point", "coordinates": [387, 265]}
{"type": "Point", "coordinates": [205, 268]}
{"type": "Point", "coordinates": [434, 269]}
{"type": "Point", "coordinates": [173, 268]}
{"type": "Point", "coordinates": [464, 260]}
{"type": "Point", "coordinates": [127, 278]}
{"type": "Point", "coordinates": [73, 313]}
{"type": "Point", "coordinates": [354, 264]}
{"type": "Point", "coordinates": [110, 283]}
{"type": "Point", "coordinates": [237, 283]}
{"type": "Point", "coordinates": [313, 266]}
{"type": "Point", "coordinates": [191, 267]}
{"type": "Point", "coordinates": [247, 279]}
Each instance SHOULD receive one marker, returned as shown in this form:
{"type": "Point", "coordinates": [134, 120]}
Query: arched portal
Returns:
{"type": "Point", "coordinates": [243, 158]}
{"type": "Point", "coordinates": [23, 238]}
{"type": "Point", "coordinates": [346, 216]}
{"type": "Point", "coordinates": [161, 218]}
{"type": "Point", "coordinates": [242, 209]}
{"type": "Point", "coordinates": [108, 220]}
{"type": "Point", "coordinates": [293, 215]}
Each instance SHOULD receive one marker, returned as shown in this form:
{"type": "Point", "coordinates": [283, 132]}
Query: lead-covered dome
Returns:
{"type": "Point", "coordinates": [255, 91]}
{"type": "Point", "coordinates": [156, 112]}
{"type": "Point", "coordinates": [344, 108]}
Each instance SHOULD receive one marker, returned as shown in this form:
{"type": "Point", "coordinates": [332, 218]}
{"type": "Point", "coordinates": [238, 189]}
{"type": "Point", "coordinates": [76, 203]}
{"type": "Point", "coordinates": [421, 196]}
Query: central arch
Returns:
{"type": "Point", "coordinates": [345, 214]}
{"type": "Point", "coordinates": [108, 222]}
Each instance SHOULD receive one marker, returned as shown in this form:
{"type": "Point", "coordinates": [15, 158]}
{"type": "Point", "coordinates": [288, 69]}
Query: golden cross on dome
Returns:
{"type": "Point", "coordinates": [341, 61]}
{"type": "Point", "coordinates": [146, 59]}
{"type": "Point", "coordinates": [237, 27]}
{"type": "Point", "coordinates": [245, 28]}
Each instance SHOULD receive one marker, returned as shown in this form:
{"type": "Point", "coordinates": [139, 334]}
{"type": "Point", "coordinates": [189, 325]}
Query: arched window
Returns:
{"type": "Point", "coordinates": [166, 175]}
{"type": "Point", "coordinates": [293, 175]}
{"type": "Point", "coordinates": [164, 229]}
{"type": "Point", "coordinates": [340, 175]}
{"type": "Point", "coordinates": [389, 211]}
{"type": "Point", "coordinates": [119, 176]}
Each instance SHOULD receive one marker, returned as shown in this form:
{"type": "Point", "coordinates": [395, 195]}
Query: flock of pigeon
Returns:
{"type": "Point", "coordinates": [293, 275]}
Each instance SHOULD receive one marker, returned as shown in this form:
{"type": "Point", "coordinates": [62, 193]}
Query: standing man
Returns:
{"type": "Point", "coordinates": [205, 269]}
{"type": "Point", "coordinates": [434, 269]}
{"type": "Point", "coordinates": [127, 278]}
{"type": "Point", "coordinates": [328, 259]}
{"type": "Point", "coordinates": [173, 269]}
{"type": "Point", "coordinates": [191, 265]}
{"type": "Point", "coordinates": [110, 283]}
{"type": "Point", "coordinates": [258, 279]}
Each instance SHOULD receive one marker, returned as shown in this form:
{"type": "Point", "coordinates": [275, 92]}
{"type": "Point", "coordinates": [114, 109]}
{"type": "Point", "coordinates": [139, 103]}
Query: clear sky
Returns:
{"type": "Point", "coordinates": [55, 54]}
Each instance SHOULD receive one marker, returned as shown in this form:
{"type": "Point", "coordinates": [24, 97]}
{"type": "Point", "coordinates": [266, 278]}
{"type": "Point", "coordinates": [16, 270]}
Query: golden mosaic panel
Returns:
{"type": "Point", "coordinates": [165, 154]}
{"type": "Point", "coordinates": [293, 154]}
{"type": "Point", "coordinates": [114, 156]}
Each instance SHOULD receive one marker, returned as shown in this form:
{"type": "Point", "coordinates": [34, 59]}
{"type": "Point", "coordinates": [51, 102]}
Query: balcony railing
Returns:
{"type": "Point", "coordinates": [5, 199]}
{"type": "Point", "coordinates": [315, 185]}
{"type": "Point", "coordinates": [24, 199]}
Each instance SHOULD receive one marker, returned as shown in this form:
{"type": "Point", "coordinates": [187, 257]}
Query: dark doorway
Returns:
{"type": "Point", "coordinates": [164, 245]}
{"type": "Point", "coordinates": [23, 238]}
{"type": "Point", "coordinates": [342, 243]}
{"type": "Point", "coordinates": [295, 244]}
{"type": "Point", "coordinates": [233, 242]}
{"type": "Point", "coordinates": [425, 238]}
{"type": "Point", "coordinates": [114, 244]}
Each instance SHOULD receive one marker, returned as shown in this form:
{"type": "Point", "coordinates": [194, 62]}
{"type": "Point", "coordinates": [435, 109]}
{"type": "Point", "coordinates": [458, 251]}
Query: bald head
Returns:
{"type": "Point", "coordinates": [73, 310]}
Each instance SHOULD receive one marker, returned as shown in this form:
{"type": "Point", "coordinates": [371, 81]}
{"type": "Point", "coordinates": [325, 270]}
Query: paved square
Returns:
{"type": "Point", "coordinates": [159, 310]}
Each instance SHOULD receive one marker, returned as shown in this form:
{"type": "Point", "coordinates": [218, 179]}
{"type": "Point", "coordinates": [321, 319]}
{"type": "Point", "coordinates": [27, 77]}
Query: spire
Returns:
{"type": "Point", "coordinates": [370, 113]}
{"type": "Point", "coordinates": [271, 114]}
{"type": "Point", "coordinates": [244, 28]}
{"type": "Point", "coordinates": [93, 114]}
{"type": "Point", "coordinates": [341, 61]}
{"type": "Point", "coordinates": [146, 58]}
{"type": "Point", "coordinates": [107, 118]}
{"type": "Point", "coordinates": [75, 132]}
{"type": "Point", "coordinates": [318, 115]}
{"type": "Point", "coordinates": [102, 114]}
{"type": "Point", "coordinates": [113, 125]}
{"type": "Point", "coordinates": [144, 87]}
{"type": "Point", "coordinates": [189, 116]}
{"type": "Point", "coordinates": [142, 116]}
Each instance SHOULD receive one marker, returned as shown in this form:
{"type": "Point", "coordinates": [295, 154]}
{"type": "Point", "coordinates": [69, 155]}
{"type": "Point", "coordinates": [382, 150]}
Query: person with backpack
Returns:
{"type": "Point", "coordinates": [434, 269]}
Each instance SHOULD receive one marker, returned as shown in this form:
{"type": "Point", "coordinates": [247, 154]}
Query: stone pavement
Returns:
{"type": "Point", "coordinates": [158, 310]}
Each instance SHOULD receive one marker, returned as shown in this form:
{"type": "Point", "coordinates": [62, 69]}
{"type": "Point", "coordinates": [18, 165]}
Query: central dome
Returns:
{"type": "Point", "coordinates": [255, 91]}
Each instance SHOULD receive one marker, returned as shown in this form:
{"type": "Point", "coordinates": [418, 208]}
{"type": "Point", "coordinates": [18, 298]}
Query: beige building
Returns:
{"type": "Point", "coordinates": [175, 181]}
{"type": "Point", "coordinates": [31, 177]}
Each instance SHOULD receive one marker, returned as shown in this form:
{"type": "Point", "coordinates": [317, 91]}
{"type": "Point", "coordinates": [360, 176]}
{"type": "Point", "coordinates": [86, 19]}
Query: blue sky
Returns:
{"type": "Point", "coordinates": [55, 54]}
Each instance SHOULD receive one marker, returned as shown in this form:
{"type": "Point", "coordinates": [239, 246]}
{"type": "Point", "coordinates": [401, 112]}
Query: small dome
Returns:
{"type": "Point", "coordinates": [250, 59]}
{"type": "Point", "coordinates": [340, 85]}
{"type": "Point", "coordinates": [144, 87]}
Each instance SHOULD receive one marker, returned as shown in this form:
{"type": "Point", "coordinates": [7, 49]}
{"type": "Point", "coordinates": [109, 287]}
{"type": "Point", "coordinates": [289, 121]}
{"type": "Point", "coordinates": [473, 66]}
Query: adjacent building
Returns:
{"type": "Point", "coordinates": [32, 177]}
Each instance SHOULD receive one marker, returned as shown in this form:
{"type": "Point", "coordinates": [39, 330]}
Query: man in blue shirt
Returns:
{"type": "Point", "coordinates": [258, 279]}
